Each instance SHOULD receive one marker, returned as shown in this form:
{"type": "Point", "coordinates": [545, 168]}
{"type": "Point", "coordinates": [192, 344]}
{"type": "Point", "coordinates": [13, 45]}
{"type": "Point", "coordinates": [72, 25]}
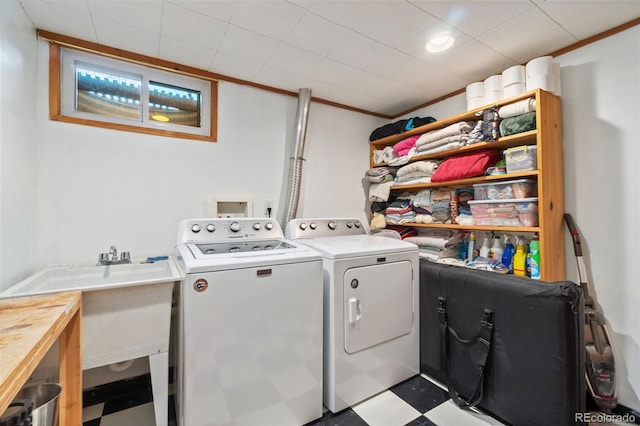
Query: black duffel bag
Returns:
{"type": "Point", "coordinates": [511, 346]}
{"type": "Point", "coordinates": [398, 127]}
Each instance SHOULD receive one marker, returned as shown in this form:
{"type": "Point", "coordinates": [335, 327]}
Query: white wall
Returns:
{"type": "Point", "coordinates": [17, 142]}
{"type": "Point", "coordinates": [601, 113]}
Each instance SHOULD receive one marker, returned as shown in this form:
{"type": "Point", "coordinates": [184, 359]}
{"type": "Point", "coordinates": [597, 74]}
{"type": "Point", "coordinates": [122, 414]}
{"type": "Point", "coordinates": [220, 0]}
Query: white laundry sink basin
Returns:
{"type": "Point", "coordinates": [90, 277]}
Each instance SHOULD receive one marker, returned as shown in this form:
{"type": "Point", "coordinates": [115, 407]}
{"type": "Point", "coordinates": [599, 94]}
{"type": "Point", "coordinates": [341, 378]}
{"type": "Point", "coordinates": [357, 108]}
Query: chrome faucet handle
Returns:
{"type": "Point", "coordinates": [113, 252]}
{"type": "Point", "coordinates": [125, 256]}
{"type": "Point", "coordinates": [103, 258]}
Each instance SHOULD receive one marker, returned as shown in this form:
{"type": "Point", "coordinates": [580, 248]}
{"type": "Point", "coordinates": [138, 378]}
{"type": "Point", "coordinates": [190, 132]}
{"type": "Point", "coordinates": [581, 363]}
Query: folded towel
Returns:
{"type": "Point", "coordinates": [517, 108]}
{"type": "Point", "coordinates": [380, 171]}
{"type": "Point", "coordinates": [442, 148]}
{"type": "Point", "coordinates": [443, 141]}
{"type": "Point", "coordinates": [380, 191]}
{"type": "Point", "coordinates": [405, 145]}
{"type": "Point", "coordinates": [460, 128]}
{"type": "Point", "coordinates": [427, 167]}
{"type": "Point", "coordinates": [423, 198]}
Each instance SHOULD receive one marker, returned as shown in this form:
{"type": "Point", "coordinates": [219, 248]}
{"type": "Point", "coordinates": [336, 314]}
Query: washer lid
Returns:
{"type": "Point", "coordinates": [357, 245]}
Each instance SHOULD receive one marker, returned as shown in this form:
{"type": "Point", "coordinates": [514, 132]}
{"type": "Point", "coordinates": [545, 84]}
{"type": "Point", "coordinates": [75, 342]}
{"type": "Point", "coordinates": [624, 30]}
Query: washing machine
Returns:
{"type": "Point", "coordinates": [371, 314]}
{"type": "Point", "coordinates": [250, 325]}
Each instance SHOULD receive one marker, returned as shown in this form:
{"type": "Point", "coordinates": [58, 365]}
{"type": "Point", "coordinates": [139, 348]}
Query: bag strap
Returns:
{"type": "Point", "coordinates": [483, 339]}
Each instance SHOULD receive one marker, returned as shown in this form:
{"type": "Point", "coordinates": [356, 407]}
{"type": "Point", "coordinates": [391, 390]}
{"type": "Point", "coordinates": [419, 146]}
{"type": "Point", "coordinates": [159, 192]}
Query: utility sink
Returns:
{"type": "Point", "coordinates": [126, 314]}
{"type": "Point", "coordinates": [90, 277]}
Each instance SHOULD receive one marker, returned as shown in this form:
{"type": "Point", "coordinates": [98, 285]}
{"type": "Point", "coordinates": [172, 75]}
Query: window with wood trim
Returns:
{"type": "Point", "coordinates": [115, 93]}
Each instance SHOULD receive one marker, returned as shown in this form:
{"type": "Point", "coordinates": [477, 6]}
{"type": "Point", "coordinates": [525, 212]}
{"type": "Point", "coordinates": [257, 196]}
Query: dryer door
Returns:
{"type": "Point", "coordinates": [378, 304]}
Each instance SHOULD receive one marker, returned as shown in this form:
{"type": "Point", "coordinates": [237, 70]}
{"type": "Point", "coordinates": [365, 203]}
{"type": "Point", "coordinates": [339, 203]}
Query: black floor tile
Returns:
{"type": "Point", "coordinates": [420, 393]}
{"type": "Point", "coordinates": [421, 421]}
{"type": "Point", "coordinates": [101, 393]}
{"type": "Point", "coordinates": [94, 422]}
{"type": "Point", "coordinates": [346, 417]}
{"type": "Point", "coordinates": [127, 400]}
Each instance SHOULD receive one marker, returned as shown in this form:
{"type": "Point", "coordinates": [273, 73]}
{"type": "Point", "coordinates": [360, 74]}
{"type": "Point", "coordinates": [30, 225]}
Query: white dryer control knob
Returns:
{"type": "Point", "coordinates": [303, 226]}
{"type": "Point", "coordinates": [268, 226]}
{"type": "Point", "coordinates": [349, 225]}
{"type": "Point", "coordinates": [357, 224]}
{"type": "Point", "coordinates": [234, 227]}
{"type": "Point", "coordinates": [332, 225]}
{"type": "Point", "coordinates": [313, 225]}
{"type": "Point", "coordinates": [256, 226]}
{"type": "Point", "coordinates": [211, 227]}
{"type": "Point", "coordinates": [195, 228]}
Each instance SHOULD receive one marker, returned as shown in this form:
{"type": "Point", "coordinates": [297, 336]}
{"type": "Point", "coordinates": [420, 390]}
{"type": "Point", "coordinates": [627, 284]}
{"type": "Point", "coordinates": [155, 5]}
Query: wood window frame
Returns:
{"type": "Point", "coordinates": [56, 42]}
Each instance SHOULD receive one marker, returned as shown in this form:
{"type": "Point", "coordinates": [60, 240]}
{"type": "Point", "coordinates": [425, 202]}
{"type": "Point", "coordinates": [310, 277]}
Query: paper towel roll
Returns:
{"type": "Point", "coordinates": [493, 96]}
{"type": "Point", "coordinates": [542, 81]}
{"type": "Point", "coordinates": [473, 103]}
{"type": "Point", "coordinates": [513, 75]}
{"type": "Point", "coordinates": [514, 90]}
{"type": "Point", "coordinates": [539, 66]}
{"type": "Point", "coordinates": [493, 83]}
{"type": "Point", "coordinates": [475, 90]}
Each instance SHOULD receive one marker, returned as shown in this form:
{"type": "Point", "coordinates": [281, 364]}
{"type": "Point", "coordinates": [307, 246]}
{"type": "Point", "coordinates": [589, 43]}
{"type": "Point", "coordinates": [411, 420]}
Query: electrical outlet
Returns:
{"type": "Point", "coordinates": [268, 208]}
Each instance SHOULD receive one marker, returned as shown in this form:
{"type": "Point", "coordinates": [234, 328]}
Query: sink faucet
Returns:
{"type": "Point", "coordinates": [111, 258]}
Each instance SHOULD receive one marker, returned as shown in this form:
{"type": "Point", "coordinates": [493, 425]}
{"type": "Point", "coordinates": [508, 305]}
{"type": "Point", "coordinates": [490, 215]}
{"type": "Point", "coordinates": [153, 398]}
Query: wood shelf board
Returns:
{"type": "Point", "coordinates": [497, 229]}
{"type": "Point", "coordinates": [466, 182]}
{"type": "Point", "coordinates": [28, 327]}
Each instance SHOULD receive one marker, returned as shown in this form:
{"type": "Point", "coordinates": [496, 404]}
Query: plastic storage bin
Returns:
{"type": "Point", "coordinates": [505, 190]}
{"type": "Point", "coordinates": [516, 212]}
{"type": "Point", "coordinates": [521, 158]}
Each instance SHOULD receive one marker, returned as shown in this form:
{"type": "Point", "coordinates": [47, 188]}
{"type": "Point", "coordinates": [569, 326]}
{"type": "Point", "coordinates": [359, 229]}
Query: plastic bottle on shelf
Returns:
{"type": "Point", "coordinates": [472, 242]}
{"type": "Point", "coordinates": [507, 256]}
{"type": "Point", "coordinates": [484, 250]}
{"type": "Point", "coordinates": [520, 258]}
{"type": "Point", "coordinates": [463, 249]}
{"type": "Point", "coordinates": [534, 262]}
{"type": "Point", "coordinates": [496, 249]}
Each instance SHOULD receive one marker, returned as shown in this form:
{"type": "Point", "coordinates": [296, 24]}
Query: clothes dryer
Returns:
{"type": "Point", "coordinates": [371, 336]}
{"type": "Point", "coordinates": [250, 328]}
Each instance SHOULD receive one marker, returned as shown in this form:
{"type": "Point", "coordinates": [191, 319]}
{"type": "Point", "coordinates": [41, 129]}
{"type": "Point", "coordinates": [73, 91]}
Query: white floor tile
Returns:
{"type": "Point", "coordinates": [386, 409]}
{"type": "Point", "coordinates": [142, 415]}
{"type": "Point", "coordinates": [92, 412]}
{"type": "Point", "coordinates": [448, 413]}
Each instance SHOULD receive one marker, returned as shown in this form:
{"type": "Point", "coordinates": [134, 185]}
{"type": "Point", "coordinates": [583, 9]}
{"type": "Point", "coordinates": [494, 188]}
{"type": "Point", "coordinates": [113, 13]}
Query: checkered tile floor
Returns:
{"type": "Point", "coordinates": [414, 402]}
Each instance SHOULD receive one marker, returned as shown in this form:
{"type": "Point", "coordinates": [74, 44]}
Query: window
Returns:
{"type": "Point", "coordinates": [102, 91]}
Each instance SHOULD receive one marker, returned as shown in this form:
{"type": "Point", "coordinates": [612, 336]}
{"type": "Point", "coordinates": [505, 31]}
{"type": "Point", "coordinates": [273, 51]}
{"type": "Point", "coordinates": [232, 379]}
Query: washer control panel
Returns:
{"type": "Point", "coordinates": [215, 230]}
{"type": "Point", "coordinates": [323, 227]}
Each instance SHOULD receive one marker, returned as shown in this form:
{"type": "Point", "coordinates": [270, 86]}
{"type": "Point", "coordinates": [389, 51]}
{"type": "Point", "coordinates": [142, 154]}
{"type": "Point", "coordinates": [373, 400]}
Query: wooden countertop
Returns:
{"type": "Point", "coordinates": [28, 327]}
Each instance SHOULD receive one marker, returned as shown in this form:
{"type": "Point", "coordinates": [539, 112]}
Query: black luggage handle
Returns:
{"type": "Point", "coordinates": [483, 339]}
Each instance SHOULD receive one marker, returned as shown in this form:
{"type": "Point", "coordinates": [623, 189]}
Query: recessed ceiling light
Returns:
{"type": "Point", "coordinates": [440, 42]}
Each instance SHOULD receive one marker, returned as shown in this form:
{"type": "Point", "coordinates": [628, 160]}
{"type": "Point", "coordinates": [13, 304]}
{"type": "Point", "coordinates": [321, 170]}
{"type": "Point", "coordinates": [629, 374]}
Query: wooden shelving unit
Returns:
{"type": "Point", "coordinates": [549, 175]}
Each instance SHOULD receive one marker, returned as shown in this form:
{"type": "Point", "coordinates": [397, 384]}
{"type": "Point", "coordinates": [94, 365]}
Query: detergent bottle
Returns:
{"type": "Point", "coordinates": [484, 250]}
{"type": "Point", "coordinates": [520, 258]}
{"type": "Point", "coordinates": [507, 255]}
{"type": "Point", "coordinates": [470, 250]}
{"type": "Point", "coordinates": [496, 249]}
{"type": "Point", "coordinates": [463, 250]}
{"type": "Point", "coordinates": [534, 261]}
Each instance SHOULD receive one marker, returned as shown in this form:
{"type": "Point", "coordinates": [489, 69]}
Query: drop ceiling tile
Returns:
{"type": "Point", "coordinates": [294, 60]}
{"type": "Point", "coordinates": [79, 5]}
{"type": "Point", "coordinates": [146, 15]}
{"type": "Point", "coordinates": [185, 53]}
{"type": "Point", "coordinates": [219, 9]}
{"type": "Point", "coordinates": [331, 72]}
{"type": "Point", "coordinates": [232, 66]}
{"type": "Point", "coordinates": [248, 45]}
{"type": "Point", "coordinates": [360, 52]}
{"type": "Point", "coordinates": [595, 16]}
{"type": "Point", "coordinates": [398, 24]}
{"type": "Point", "coordinates": [371, 84]}
{"type": "Point", "coordinates": [350, 14]}
{"type": "Point", "coordinates": [55, 18]}
{"type": "Point", "coordinates": [192, 27]}
{"type": "Point", "coordinates": [458, 59]}
{"type": "Point", "coordinates": [513, 39]}
{"type": "Point", "coordinates": [318, 35]}
{"type": "Point", "coordinates": [473, 17]}
{"type": "Point", "coordinates": [271, 18]}
{"type": "Point", "coordinates": [280, 79]}
{"type": "Point", "coordinates": [128, 38]}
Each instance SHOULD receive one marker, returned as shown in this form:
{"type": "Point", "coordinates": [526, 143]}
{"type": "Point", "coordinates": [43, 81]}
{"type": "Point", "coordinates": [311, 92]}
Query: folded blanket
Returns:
{"type": "Point", "coordinates": [379, 179]}
{"type": "Point", "coordinates": [380, 191]}
{"type": "Point", "coordinates": [427, 167]}
{"type": "Point", "coordinates": [378, 171]}
{"type": "Point", "coordinates": [442, 141]}
{"type": "Point", "coordinates": [412, 175]}
{"type": "Point", "coordinates": [412, 181]}
{"type": "Point", "coordinates": [451, 130]}
{"type": "Point", "coordinates": [517, 108]}
{"type": "Point", "coordinates": [447, 147]}
{"type": "Point", "coordinates": [405, 145]}
{"type": "Point", "coordinates": [423, 198]}
{"type": "Point", "coordinates": [518, 124]}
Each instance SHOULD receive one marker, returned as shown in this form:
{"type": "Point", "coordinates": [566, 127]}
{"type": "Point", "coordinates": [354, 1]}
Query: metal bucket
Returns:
{"type": "Point", "coordinates": [45, 402]}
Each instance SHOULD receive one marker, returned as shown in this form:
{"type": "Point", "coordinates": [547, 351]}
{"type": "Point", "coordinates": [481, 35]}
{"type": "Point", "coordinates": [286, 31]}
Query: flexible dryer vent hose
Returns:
{"type": "Point", "coordinates": [297, 158]}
